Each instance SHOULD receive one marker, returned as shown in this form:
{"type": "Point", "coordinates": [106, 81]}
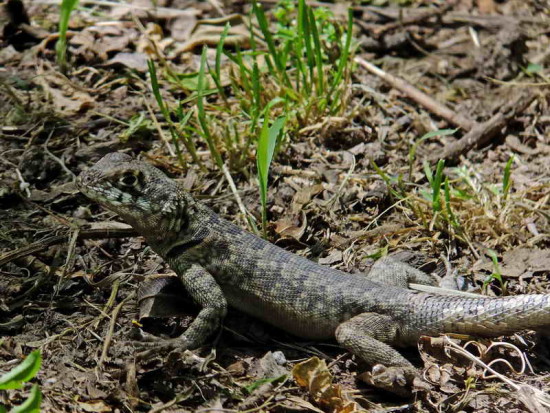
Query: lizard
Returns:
{"type": "Point", "coordinates": [222, 265]}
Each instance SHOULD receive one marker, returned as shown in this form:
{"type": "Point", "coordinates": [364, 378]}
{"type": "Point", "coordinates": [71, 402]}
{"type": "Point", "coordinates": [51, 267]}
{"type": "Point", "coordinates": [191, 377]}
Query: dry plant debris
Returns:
{"type": "Point", "coordinates": [357, 176]}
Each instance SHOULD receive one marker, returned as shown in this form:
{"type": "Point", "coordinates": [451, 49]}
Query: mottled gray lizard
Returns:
{"type": "Point", "coordinates": [222, 265]}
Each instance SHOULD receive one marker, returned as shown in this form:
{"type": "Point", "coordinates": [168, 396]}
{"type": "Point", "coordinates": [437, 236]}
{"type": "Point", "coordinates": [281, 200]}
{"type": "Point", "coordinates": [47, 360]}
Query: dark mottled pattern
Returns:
{"type": "Point", "coordinates": [220, 264]}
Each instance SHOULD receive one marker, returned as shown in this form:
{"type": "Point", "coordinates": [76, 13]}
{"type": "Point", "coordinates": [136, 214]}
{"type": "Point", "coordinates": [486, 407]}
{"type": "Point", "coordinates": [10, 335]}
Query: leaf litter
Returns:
{"type": "Point", "coordinates": [318, 205]}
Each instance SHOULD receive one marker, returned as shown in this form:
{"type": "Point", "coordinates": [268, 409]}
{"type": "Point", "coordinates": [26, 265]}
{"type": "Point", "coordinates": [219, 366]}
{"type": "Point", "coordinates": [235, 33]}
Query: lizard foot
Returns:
{"type": "Point", "coordinates": [397, 380]}
{"type": "Point", "coordinates": [149, 346]}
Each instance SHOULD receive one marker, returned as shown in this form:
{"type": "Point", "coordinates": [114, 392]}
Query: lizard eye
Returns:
{"type": "Point", "coordinates": [129, 180]}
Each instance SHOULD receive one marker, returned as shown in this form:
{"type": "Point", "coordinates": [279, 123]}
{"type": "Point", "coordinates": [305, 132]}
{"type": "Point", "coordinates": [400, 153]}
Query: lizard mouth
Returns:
{"type": "Point", "coordinates": [85, 183]}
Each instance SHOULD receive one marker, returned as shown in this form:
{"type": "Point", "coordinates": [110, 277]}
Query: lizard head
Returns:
{"type": "Point", "coordinates": [139, 193]}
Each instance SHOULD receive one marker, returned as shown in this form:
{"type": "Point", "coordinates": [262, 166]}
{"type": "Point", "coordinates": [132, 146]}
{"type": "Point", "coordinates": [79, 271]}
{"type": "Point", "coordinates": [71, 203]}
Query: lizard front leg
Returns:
{"type": "Point", "coordinates": [206, 292]}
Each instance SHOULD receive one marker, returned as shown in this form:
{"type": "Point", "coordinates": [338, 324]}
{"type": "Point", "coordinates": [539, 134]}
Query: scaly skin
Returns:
{"type": "Point", "coordinates": [220, 265]}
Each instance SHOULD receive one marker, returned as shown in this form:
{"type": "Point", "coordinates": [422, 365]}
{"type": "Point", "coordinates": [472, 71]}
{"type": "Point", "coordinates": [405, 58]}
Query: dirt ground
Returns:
{"type": "Point", "coordinates": [345, 188]}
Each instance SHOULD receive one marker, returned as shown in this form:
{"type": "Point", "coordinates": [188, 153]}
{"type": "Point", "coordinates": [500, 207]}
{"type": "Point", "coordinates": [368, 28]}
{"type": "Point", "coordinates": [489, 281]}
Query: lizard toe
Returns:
{"type": "Point", "coordinates": [150, 346]}
{"type": "Point", "coordinates": [397, 380]}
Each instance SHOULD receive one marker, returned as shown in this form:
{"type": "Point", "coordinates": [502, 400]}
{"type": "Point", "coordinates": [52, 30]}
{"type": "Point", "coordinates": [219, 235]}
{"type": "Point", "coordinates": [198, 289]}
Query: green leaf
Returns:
{"type": "Point", "coordinates": [250, 388]}
{"type": "Point", "coordinates": [32, 404]}
{"type": "Point", "coordinates": [381, 252]}
{"type": "Point", "coordinates": [533, 68]}
{"type": "Point", "coordinates": [264, 156]}
{"type": "Point", "coordinates": [266, 145]}
{"type": "Point", "coordinates": [22, 373]}
{"type": "Point", "coordinates": [428, 171]}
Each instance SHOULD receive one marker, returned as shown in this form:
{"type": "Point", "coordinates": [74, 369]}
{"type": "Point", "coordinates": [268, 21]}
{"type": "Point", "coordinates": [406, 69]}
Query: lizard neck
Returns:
{"type": "Point", "coordinates": [183, 229]}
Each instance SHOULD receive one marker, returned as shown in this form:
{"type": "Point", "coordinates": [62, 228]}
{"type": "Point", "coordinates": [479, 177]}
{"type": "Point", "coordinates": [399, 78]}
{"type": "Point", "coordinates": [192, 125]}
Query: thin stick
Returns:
{"type": "Point", "coordinates": [484, 132]}
{"type": "Point", "coordinates": [242, 208]}
{"type": "Point", "coordinates": [168, 12]}
{"type": "Point", "coordinates": [109, 336]}
{"type": "Point", "coordinates": [59, 239]}
{"type": "Point", "coordinates": [421, 98]}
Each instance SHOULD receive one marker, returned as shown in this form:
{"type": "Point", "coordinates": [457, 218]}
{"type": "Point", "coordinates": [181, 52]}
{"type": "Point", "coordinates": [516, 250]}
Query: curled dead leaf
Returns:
{"type": "Point", "coordinates": [66, 96]}
{"type": "Point", "coordinates": [287, 227]}
{"type": "Point", "coordinates": [314, 375]}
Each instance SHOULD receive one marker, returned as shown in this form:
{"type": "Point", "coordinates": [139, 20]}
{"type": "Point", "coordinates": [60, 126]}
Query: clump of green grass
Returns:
{"type": "Point", "coordinates": [456, 202]}
{"type": "Point", "coordinates": [292, 77]}
{"type": "Point", "coordinates": [300, 71]}
{"type": "Point", "coordinates": [457, 205]}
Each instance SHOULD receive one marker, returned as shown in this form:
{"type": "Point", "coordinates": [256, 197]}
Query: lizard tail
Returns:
{"type": "Point", "coordinates": [487, 317]}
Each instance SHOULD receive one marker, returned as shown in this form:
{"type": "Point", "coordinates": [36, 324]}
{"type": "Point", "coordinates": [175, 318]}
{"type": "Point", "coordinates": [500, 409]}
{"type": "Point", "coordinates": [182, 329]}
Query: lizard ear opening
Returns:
{"type": "Point", "coordinates": [130, 178]}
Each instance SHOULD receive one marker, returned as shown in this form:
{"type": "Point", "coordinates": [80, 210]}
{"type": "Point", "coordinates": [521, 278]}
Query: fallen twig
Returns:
{"type": "Point", "coordinates": [60, 239]}
{"type": "Point", "coordinates": [484, 132]}
{"type": "Point", "coordinates": [420, 97]}
{"type": "Point", "coordinates": [429, 13]}
{"type": "Point", "coordinates": [111, 331]}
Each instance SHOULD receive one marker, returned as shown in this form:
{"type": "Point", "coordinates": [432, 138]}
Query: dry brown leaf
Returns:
{"type": "Point", "coordinates": [333, 257]}
{"type": "Point", "coordinates": [518, 262]}
{"type": "Point", "coordinates": [181, 27]}
{"type": "Point", "coordinates": [287, 227]}
{"type": "Point", "coordinates": [137, 61]}
{"type": "Point", "coordinates": [486, 6]}
{"type": "Point", "coordinates": [66, 97]}
{"type": "Point", "coordinates": [210, 36]}
{"type": "Point", "coordinates": [95, 406]}
{"type": "Point", "coordinates": [521, 260]}
{"type": "Point", "coordinates": [314, 375]}
{"type": "Point", "coordinates": [303, 196]}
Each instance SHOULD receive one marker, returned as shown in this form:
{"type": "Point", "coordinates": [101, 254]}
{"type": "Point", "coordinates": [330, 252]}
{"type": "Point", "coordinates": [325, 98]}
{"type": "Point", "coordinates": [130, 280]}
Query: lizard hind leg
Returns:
{"type": "Point", "coordinates": [390, 271]}
{"type": "Point", "coordinates": [366, 336]}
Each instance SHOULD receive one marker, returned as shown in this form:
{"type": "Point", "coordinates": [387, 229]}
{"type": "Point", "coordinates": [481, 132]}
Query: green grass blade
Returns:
{"type": "Point", "coordinates": [506, 181]}
{"type": "Point", "coordinates": [264, 27]}
{"type": "Point", "coordinates": [67, 6]}
{"type": "Point", "coordinates": [202, 114]}
{"type": "Point", "coordinates": [450, 213]}
{"type": "Point", "coordinates": [32, 404]}
{"type": "Point", "coordinates": [164, 110]}
{"type": "Point", "coordinates": [155, 88]}
{"type": "Point", "coordinates": [219, 50]}
{"type": "Point", "coordinates": [303, 16]}
{"type": "Point", "coordinates": [216, 74]}
{"type": "Point", "coordinates": [436, 186]}
{"type": "Point", "coordinates": [343, 62]}
{"type": "Point", "coordinates": [428, 172]}
{"type": "Point", "coordinates": [318, 53]}
{"type": "Point", "coordinates": [22, 373]}
{"type": "Point", "coordinates": [255, 109]}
